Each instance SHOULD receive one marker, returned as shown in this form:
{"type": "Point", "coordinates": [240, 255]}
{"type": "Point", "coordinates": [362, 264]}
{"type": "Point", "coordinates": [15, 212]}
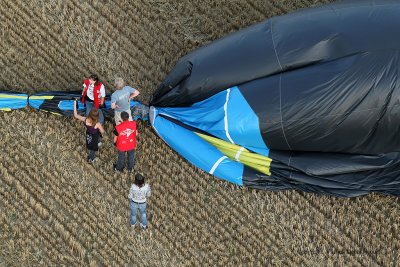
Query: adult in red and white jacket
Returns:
{"type": "Point", "coordinates": [125, 141]}
{"type": "Point", "coordinates": [93, 95]}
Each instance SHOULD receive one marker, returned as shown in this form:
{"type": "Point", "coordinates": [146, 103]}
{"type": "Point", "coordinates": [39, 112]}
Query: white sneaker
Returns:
{"type": "Point", "coordinates": [133, 227]}
{"type": "Point", "coordinates": [143, 226]}
{"type": "Point", "coordinates": [100, 144]}
{"type": "Point", "coordinates": [92, 161]}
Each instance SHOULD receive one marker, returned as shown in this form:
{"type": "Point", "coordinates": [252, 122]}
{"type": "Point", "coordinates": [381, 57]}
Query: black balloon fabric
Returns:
{"type": "Point", "coordinates": [325, 85]}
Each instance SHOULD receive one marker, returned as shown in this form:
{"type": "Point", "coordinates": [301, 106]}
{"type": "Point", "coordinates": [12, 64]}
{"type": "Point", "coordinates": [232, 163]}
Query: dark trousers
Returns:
{"type": "Point", "coordinates": [91, 154]}
{"type": "Point", "coordinates": [121, 160]}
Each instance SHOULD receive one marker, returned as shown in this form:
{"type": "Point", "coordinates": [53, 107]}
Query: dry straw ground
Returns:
{"type": "Point", "coordinates": [56, 209]}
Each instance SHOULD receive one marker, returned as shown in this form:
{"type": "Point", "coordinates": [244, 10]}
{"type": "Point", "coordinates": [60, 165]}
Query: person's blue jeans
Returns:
{"type": "Point", "coordinates": [142, 208]}
{"type": "Point", "coordinates": [121, 160]}
{"type": "Point", "coordinates": [89, 106]}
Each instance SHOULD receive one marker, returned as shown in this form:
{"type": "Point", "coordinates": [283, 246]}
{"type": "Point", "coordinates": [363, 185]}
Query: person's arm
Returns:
{"type": "Point", "coordinates": [76, 115]}
{"type": "Point", "coordinates": [83, 91]}
{"type": "Point", "coordinates": [102, 94]}
{"type": "Point", "coordinates": [100, 127]}
{"type": "Point", "coordinates": [130, 195]}
{"type": "Point", "coordinates": [148, 194]}
{"type": "Point", "coordinates": [115, 136]}
{"type": "Point", "coordinates": [114, 102]}
{"type": "Point", "coordinates": [134, 94]}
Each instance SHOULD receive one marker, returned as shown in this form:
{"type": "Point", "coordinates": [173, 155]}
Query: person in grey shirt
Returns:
{"type": "Point", "coordinates": [138, 194]}
{"type": "Point", "coordinates": [121, 99]}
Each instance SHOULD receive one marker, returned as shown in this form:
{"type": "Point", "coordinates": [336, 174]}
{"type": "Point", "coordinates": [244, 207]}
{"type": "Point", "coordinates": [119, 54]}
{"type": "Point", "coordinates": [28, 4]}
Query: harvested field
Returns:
{"type": "Point", "coordinates": [56, 209]}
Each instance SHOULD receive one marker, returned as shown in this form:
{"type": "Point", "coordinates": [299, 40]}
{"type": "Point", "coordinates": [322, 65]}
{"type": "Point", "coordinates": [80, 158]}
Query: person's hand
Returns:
{"type": "Point", "coordinates": [114, 106]}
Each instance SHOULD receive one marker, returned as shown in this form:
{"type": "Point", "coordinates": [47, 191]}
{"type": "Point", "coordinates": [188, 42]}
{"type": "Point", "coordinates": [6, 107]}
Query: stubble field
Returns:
{"type": "Point", "coordinates": [56, 209]}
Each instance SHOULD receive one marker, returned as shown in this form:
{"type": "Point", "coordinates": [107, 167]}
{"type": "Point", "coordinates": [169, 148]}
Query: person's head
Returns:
{"type": "Point", "coordinates": [124, 116]}
{"type": "Point", "coordinates": [139, 180]}
{"type": "Point", "coordinates": [93, 79]}
{"type": "Point", "coordinates": [94, 115]}
{"type": "Point", "coordinates": [119, 83]}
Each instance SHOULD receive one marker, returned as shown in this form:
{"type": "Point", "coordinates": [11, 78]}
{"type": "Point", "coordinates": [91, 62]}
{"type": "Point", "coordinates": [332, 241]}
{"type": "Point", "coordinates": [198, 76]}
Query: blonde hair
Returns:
{"type": "Point", "coordinates": [119, 83]}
